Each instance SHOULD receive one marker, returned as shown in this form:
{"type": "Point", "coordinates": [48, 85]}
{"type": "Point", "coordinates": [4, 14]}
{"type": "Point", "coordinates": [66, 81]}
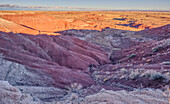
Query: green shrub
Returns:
{"type": "Point", "coordinates": [132, 55]}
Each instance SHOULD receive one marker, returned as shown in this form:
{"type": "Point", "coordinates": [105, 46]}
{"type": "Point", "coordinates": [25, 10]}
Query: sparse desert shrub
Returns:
{"type": "Point", "coordinates": [124, 71]}
{"type": "Point", "coordinates": [156, 76]}
{"type": "Point", "coordinates": [167, 75]}
{"type": "Point", "coordinates": [1, 58]}
{"type": "Point", "coordinates": [132, 55]}
{"type": "Point", "coordinates": [138, 73]}
{"type": "Point", "coordinates": [166, 63]}
{"type": "Point", "coordinates": [156, 49]}
{"type": "Point", "coordinates": [74, 87]}
{"type": "Point", "coordinates": [134, 75]}
{"type": "Point", "coordinates": [130, 73]}
{"type": "Point", "coordinates": [73, 94]}
{"type": "Point", "coordinates": [153, 75]}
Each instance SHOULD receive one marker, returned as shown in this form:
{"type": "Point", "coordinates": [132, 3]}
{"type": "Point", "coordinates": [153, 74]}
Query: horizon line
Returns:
{"type": "Point", "coordinates": [47, 8]}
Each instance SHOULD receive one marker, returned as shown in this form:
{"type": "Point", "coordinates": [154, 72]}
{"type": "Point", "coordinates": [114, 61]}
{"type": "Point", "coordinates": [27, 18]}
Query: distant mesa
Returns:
{"type": "Point", "coordinates": [136, 25]}
{"type": "Point", "coordinates": [120, 19]}
{"type": "Point", "coordinates": [20, 7]}
{"type": "Point", "coordinates": [39, 23]}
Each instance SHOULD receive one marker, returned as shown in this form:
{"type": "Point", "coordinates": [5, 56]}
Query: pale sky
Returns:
{"type": "Point", "coordinates": [103, 4]}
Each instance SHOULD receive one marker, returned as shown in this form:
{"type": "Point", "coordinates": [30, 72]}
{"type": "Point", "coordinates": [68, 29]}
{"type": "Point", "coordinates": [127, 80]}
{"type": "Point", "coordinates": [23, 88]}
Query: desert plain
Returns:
{"type": "Point", "coordinates": [51, 21]}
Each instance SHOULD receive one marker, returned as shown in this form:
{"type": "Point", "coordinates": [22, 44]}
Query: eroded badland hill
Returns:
{"type": "Point", "coordinates": [111, 57]}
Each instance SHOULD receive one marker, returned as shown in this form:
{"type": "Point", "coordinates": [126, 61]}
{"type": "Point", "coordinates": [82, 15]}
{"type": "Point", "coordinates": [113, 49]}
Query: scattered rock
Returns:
{"type": "Point", "coordinates": [11, 95]}
{"type": "Point", "coordinates": [121, 97]}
